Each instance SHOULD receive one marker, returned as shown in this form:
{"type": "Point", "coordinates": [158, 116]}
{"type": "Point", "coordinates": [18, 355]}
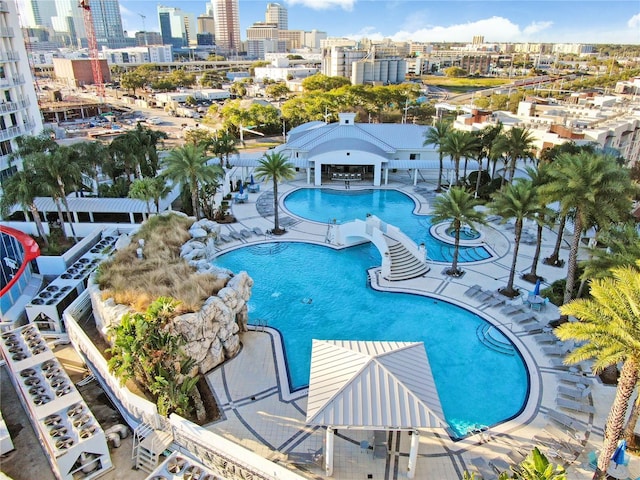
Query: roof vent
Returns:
{"type": "Point", "coordinates": [347, 118]}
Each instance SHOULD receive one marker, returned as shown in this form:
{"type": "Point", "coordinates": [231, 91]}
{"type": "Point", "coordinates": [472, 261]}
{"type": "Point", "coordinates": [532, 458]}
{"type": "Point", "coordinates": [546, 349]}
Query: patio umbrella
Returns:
{"type": "Point", "coordinates": [240, 188]}
{"type": "Point", "coordinates": [536, 289]}
{"type": "Point", "coordinates": [251, 180]}
{"type": "Point", "coordinates": [618, 455]}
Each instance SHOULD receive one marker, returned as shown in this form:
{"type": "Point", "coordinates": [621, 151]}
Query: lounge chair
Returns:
{"type": "Point", "coordinates": [499, 465]}
{"type": "Point", "coordinates": [562, 419]}
{"type": "Point", "coordinates": [524, 317]}
{"type": "Point", "coordinates": [484, 295]}
{"type": "Point", "coordinates": [245, 233]}
{"type": "Point", "coordinates": [512, 309]}
{"type": "Point", "coordinates": [559, 349]}
{"type": "Point", "coordinates": [534, 327]}
{"type": "Point", "coordinates": [516, 456]}
{"type": "Point", "coordinates": [483, 468]}
{"type": "Point", "coordinates": [257, 231]}
{"type": "Point", "coordinates": [496, 301]}
{"type": "Point", "coordinates": [235, 235]}
{"type": "Point", "coordinates": [224, 238]}
{"type": "Point", "coordinates": [574, 378]}
{"type": "Point", "coordinates": [473, 290]}
{"type": "Point", "coordinates": [576, 406]}
{"type": "Point", "coordinates": [576, 393]}
{"type": "Point", "coordinates": [547, 337]}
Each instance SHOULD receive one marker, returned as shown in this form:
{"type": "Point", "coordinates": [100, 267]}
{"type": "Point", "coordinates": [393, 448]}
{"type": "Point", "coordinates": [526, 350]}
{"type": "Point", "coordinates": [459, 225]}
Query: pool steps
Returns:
{"type": "Point", "coordinates": [404, 265]}
{"type": "Point", "coordinates": [484, 334]}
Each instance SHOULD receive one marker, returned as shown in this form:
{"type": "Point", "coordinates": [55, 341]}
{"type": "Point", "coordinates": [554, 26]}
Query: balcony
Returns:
{"type": "Point", "coordinates": [9, 133]}
{"type": "Point", "coordinates": [10, 107]}
{"type": "Point", "coordinates": [6, 32]}
{"type": "Point", "coordinates": [9, 56]}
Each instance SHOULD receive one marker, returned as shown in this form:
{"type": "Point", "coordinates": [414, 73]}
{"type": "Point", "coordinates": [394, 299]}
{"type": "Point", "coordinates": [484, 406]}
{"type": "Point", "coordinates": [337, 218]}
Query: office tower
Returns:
{"type": "Point", "coordinates": [277, 14]}
{"type": "Point", "coordinates": [177, 28]}
{"type": "Point", "coordinates": [227, 18]}
{"type": "Point", "coordinates": [19, 112]}
{"type": "Point", "coordinates": [478, 39]}
{"type": "Point", "coordinates": [68, 23]}
{"type": "Point", "coordinates": [206, 24]}
{"type": "Point", "coordinates": [38, 13]}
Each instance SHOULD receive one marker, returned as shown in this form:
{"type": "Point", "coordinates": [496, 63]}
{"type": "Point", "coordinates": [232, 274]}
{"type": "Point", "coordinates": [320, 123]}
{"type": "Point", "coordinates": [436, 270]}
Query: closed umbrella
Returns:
{"type": "Point", "coordinates": [618, 455]}
{"type": "Point", "coordinates": [240, 188]}
{"type": "Point", "coordinates": [536, 289]}
{"type": "Point", "coordinates": [251, 181]}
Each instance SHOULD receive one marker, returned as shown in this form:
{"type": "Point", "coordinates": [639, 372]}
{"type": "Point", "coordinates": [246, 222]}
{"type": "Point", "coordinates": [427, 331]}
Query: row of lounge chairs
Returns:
{"type": "Point", "coordinates": [240, 235]}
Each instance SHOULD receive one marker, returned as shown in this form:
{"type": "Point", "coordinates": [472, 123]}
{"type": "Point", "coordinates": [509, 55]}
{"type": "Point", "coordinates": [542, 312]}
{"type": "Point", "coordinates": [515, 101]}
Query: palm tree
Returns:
{"type": "Point", "coordinates": [276, 167]}
{"type": "Point", "coordinates": [593, 189]}
{"type": "Point", "coordinates": [485, 137]}
{"type": "Point", "coordinates": [22, 188]}
{"type": "Point", "coordinates": [609, 332]}
{"type": "Point", "coordinates": [144, 189]}
{"type": "Point", "coordinates": [145, 142]}
{"type": "Point", "coordinates": [436, 136]}
{"type": "Point", "coordinates": [621, 248]}
{"type": "Point", "coordinates": [515, 144]}
{"type": "Point", "coordinates": [538, 178]}
{"type": "Point", "coordinates": [459, 144]}
{"type": "Point", "coordinates": [188, 166]}
{"type": "Point", "coordinates": [223, 147]}
{"type": "Point", "coordinates": [516, 200]}
{"type": "Point", "coordinates": [457, 206]}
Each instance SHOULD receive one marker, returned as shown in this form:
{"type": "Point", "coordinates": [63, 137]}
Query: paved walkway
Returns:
{"type": "Point", "coordinates": [260, 413]}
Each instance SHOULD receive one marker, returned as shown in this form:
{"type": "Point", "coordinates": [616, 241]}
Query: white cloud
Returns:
{"type": "Point", "coordinates": [634, 22]}
{"type": "Point", "coordinates": [494, 29]}
{"type": "Point", "coordinates": [324, 4]}
{"type": "Point", "coordinates": [536, 27]}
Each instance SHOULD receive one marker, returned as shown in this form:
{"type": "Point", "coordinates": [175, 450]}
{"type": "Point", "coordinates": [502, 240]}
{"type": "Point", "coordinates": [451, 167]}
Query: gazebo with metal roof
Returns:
{"type": "Point", "coordinates": [372, 386]}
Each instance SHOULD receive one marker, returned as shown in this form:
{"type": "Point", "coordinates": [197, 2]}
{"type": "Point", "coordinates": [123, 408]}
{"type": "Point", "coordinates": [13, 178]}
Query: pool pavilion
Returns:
{"type": "Point", "coordinates": [346, 151]}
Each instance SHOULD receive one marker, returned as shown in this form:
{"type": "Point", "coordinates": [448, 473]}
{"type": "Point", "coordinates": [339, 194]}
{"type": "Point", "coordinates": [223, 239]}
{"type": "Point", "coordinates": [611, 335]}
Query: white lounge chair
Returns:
{"type": "Point", "coordinates": [496, 300]}
{"type": "Point", "coordinates": [576, 393]}
{"type": "Point", "coordinates": [499, 465]}
{"type": "Point", "coordinates": [235, 235]}
{"type": "Point", "coordinates": [562, 419]}
{"type": "Point", "coordinates": [534, 327]}
{"type": "Point", "coordinates": [524, 317]}
{"type": "Point", "coordinates": [224, 238]}
{"type": "Point", "coordinates": [473, 290]}
{"type": "Point", "coordinates": [512, 309]}
{"type": "Point", "coordinates": [483, 468]}
{"type": "Point", "coordinates": [576, 406]}
{"type": "Point", "coordinates": [483, 295]}
{"type": "Point", "coordinates": [559, 349]}
{"type": "Point", "coordinates": [547, 337]}
{"type": "Point", "coordinates": [245, 233]}
{"type": "Point", "coordinates": [257, 231]}
{"type": "Point", "coordinates": [574, 378]}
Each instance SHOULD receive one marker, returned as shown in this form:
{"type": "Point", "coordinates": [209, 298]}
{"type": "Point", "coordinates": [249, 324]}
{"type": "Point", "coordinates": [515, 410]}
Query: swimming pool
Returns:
{"type": "Point", "coordinates": [392, 206]}
{"type": "Point", "coordinates": [311, 291]}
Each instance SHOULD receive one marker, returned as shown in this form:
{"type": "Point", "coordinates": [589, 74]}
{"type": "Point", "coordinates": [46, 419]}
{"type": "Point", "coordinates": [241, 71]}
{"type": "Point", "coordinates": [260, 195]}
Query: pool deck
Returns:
{"type": "Point", "coordinates": [260, 413]}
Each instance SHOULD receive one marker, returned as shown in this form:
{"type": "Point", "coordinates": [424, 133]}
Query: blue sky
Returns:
{"type": "Point", "coordinates": [585, 21]}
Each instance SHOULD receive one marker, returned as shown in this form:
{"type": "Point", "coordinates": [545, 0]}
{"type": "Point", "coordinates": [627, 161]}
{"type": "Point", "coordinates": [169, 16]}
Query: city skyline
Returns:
{"type": "Point", "coordinates": [432, 21]}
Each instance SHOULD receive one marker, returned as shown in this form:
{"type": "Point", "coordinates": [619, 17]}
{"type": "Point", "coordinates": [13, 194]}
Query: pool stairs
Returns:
{"type": "Point", "coordinates": [497, 343]}
{"type": "Point", "coordinates": [402, 259]}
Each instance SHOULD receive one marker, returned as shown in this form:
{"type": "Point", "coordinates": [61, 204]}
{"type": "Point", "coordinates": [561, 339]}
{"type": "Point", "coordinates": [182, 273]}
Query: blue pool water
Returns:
{"type": "Point", "coordinates": [310, 291]}
{"type": "Point", "coordinates": [392, 206]}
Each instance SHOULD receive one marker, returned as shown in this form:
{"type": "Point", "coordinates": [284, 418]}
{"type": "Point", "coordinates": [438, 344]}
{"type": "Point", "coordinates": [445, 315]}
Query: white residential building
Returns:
{"type": "Point", "coordinates": [279, 70]}
{"type": "Point", "coordinates": [139, 55]}
{"type": "Point", "coordinates": [19, 112]}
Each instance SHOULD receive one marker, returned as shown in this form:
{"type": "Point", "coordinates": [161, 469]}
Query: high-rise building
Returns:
{"type": "Point", "coordinates": [227, 18]}
{"type": "Point", "coordinates": [68, 22]}
{"type": "Point", "coordinates": [478, 40]}
{"type": "Point", "coordinates": [177, 28]}
{"type": "Point", "coordinates": [38, 13]}
{"type": "Point", "coordinates": [206, 24]}
{"type": "Point", "coordinates": [19, 112]}
{"type": "Point", "coordinates": [277, 14]}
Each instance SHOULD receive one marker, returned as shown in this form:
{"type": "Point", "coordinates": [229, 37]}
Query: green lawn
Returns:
{"type": "Point", "coordinates": [465, 84]}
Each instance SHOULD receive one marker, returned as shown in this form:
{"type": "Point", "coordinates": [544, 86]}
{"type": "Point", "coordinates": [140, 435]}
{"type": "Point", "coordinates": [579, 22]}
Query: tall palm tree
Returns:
{"type": "Point", "coordinates": [22, 188]}
{"type": "Point", "coordinates": [485, 137]}
{"type": "Point", "coordinates": [516, 200]}
{"type": "Point", "coordinates": [145, 145]}
{"type": "Point", "coordinates": [91, 156]}
{"type": "Point", "coordinates": [436, 136]}
{"type": "Point", "coordinates": [224, 146]}
{"type": "Point", "coordinates": [592, 188]}
{"type": "Point", "coordinates": [538, 178]}
{"type": "Point", "coordinates": [188, 166]}
{"type": "Point", "coordinates": [609, 332]}
{"type": "Point", "coordinates": [621, 248]}
{"type": "Point", "coordinates": [517, 143]}
{"type": "Point", "coordinates": [275, 166]}
{"type": "Point", "coordinates": [459, 144]}
{"type": "Point", "coordinates": [458, 207]}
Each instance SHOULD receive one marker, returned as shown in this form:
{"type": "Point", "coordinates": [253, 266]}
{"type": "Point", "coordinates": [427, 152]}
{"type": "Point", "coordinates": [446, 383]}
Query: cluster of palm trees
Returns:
{"type": "Point", "coordinates": [594, 191]}
{"type": "Point", "coordinates": [492, 143]}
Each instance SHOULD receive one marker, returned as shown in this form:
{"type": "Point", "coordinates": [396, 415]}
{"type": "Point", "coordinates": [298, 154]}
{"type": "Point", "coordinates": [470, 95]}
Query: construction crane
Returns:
{"type": "Point", "coordinates": [93, 47]}
{"type": "Point", "coordinates": [144, 29]}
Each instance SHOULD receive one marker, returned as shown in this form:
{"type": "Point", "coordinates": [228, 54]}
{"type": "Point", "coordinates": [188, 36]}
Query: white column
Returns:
{"type": "Point", "coordinates": [386, 176]}
{"type": "Point", "coordinates": [415, 177]}
{"type": "Point", "coordinates": [317, 181]}
{"type": "Point", "coordinates": [328, 452]}
{"type": "Point", "coordinates": [377, 174]}
{"type": "Point", "coordinates": [413, 454]}
{"type": "Point", "coordinates": [309, 175]}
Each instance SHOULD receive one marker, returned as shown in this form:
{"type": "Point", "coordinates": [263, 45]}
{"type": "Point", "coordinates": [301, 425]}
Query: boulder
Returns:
{"type": "Point", "coordinates": [198, 232]}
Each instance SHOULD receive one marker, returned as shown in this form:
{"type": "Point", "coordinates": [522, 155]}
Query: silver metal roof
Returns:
{"type": "Point", "coordinates": [373, 385]}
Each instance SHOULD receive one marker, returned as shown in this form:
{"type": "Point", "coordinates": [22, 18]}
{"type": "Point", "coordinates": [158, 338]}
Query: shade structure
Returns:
{"type": "Point", "coordinates": [536, 289]}
{"type": "Point", "coordinates": [618, 454]}
{"type": "Point", "coordinates": [372, 385]}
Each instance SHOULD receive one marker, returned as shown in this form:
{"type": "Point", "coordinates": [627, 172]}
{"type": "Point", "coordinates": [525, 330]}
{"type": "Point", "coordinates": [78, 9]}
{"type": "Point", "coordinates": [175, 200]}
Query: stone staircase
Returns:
{"type": "Point", "coordinates": [404, 265]}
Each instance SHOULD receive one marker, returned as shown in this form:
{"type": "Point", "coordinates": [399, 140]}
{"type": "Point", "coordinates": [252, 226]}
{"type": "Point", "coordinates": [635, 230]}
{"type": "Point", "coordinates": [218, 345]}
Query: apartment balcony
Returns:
{"type": "Point", "coordinates": [12, 81]}
{"type": "Point", "coordinates": [10, 107]}
{"type": "Point", "coordinates": [10, 133]}
{"type": "Point", "coordinates": [6, 32]}
{"type": "Point", "coordinates": [9, 56]}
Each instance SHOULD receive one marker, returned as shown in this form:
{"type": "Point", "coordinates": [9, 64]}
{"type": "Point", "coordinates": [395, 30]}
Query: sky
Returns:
{"type": "Point", "coordinates": [571, 21]}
